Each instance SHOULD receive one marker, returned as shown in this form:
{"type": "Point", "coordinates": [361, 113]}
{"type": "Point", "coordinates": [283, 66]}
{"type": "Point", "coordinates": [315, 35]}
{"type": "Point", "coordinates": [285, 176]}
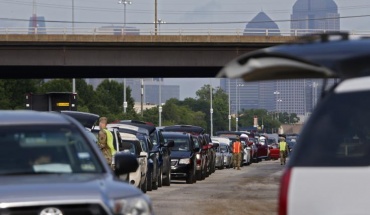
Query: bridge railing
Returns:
{"type": "Point", "coordinates": [184, 31]}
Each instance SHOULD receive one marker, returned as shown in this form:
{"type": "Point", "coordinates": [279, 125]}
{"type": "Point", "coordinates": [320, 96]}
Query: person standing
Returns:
{"type": "Point", "coordinates": [237, 153]}
{"type": "Point", "coordinates": [105, 141]}
{"type": "Point", "coordinates": [283, 147]}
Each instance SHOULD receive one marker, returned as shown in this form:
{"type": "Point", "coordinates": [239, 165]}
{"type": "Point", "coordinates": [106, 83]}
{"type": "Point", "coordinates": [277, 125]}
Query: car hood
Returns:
{"type": "Point", "coordinates": [88, 120]}
{"type": "Point", "coordinates": [312, 58]}
{"type": "Point", "coordinates": [180, 154]}
{"type": "Point", "coordinates": [63, 187]}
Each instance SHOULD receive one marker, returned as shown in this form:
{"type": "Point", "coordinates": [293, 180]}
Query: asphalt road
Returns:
{"type": "Point", "coordinates": [253, 190]}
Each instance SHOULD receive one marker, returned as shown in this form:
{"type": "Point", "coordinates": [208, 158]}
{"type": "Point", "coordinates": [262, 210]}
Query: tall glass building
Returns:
{"type": "Point", "coordinates": [310, 15]}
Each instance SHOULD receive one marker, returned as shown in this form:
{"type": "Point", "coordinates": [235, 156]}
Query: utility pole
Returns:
{"type": "Point", "coordinates": [124, 96]}
{"type": "Point", "coordinates": [236, 106]}
{"type": "Point", "coordinates": [160, 103]}
{"type": "Point", "coordinates": [229, 106]}
{"type": "Point", "coordinates": [142, 97]}
{"type": "Point", "coordinates": [211, 109]}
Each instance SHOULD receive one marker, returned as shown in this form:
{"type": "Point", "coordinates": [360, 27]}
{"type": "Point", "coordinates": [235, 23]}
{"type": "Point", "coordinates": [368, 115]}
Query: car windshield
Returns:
{"type": "Point", "coordinates": [143, 142]}
{"type": "Point", "coordinates": [339, 132]}
{"type": "Point", "coordinates": [180, 143]}
{"type": "Point", "coordinates": [50, 149]}
{"type": "Point", "coordinates": [223, 148]}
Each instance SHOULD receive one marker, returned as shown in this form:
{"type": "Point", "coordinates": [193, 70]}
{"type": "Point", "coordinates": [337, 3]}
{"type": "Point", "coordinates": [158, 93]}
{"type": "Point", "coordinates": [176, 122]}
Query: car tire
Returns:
{"type": "Point", "coordinates": [222, 165]}
{"type": "Point", "coordinates": [144, 186]}
{"type": "Point", "coordinates": [203, 174]}
{"type": "Point", "coordinates": [199, 174]}
{"type": "Point", "coordinates": [149, 181]}
{"type": "Point", "coordinates": [167, 179]}
{"type": "Point", "coordinates": [190, 178]}
{"type": "Point", "coordinates": [155, 184]}
{"type": "Point", "coordinates": [160, 177]}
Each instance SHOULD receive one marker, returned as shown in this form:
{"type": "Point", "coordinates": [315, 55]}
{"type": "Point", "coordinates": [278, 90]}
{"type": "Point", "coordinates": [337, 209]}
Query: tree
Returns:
{"type": "Point", "coordinates": [56, 85]}
{"type": "Point", "coordinates": [14, 91]}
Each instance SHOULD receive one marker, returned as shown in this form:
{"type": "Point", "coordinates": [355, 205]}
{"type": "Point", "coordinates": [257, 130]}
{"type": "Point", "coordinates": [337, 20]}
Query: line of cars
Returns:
{"type": "Point", "coordinates": [140, 139]}
{"type": "Point", "coordinates": [51, 164]}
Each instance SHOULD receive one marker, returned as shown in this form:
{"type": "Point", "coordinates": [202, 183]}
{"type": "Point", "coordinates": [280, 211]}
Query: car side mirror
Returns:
{"type": "Point", "coordinates": [125, 163]}
{"type": "Point", "coordinates": [215, 145]}
{"type": "Point", "coordinates": [143, 154]}
{"type": "Point", "coordinates": [153, 152]}
{"type": "Point", "coordinates": [170, 143]}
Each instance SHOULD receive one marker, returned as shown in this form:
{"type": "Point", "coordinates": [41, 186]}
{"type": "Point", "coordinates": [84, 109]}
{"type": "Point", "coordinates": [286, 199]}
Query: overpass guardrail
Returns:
{"type": "Point", "coordinates": [175, 32]}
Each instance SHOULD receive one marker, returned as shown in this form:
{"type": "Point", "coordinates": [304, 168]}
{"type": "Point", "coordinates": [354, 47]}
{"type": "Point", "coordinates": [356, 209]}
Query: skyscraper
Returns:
{"type": "Point", "coordinates": [259, 24]}
{"type": "Point", "coordinates": [309, 15]}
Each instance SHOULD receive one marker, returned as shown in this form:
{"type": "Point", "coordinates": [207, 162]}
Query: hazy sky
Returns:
{"type": "Point", "coordinates": [178, 14]}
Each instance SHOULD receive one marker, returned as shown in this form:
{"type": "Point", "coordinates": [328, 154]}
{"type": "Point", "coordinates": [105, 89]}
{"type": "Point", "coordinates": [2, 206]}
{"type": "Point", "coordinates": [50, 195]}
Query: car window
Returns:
{"type": "Point", "coordinates": [338, 134]}
{"type": "Point", "coordinates": [50, 149]}
{"type": "Point", "coordinates": [196, 142]}
{"type": "Point", "coordinates": [180, 143]}
{"type": "Point", "coordinates": [154, 138]}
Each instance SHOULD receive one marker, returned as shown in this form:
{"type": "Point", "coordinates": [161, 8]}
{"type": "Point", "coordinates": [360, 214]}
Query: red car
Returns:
{"type": "Point", "coordinates": [274, 151]}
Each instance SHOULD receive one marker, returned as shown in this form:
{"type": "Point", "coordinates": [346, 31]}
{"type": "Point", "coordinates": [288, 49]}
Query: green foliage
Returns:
{"type": "Point", "coordinates": [107, 100]}
{"type": "Point", "coordinates": [14, 91]}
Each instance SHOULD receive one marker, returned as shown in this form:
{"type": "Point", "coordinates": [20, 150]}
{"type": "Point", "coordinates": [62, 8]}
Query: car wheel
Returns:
{"type": "Point", "coordinates": [167, 178]}
{"type": "Point", "coordinates": [190, 178]}
{"type": "Point", "coordinates": [144, 186]}
{"type": "Point", "coordinates": [149, 181]}
{"type": "Point", "coordinates": [155, 184]}
{"type": "Point", "coordinates": [160, 177]}
{"type": "Point", "coordinates": [199, 174]}
{"type": "Point", "coordinates": [203, 174]}
{"type": "Point", "coordinates": [194, 178]}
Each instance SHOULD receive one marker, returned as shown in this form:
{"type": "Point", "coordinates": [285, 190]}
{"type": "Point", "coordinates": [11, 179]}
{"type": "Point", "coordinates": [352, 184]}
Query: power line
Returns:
{"type": "Point", "coordinates": [195, 23]}
{"type": "Point", "coordinates": [142, 11]}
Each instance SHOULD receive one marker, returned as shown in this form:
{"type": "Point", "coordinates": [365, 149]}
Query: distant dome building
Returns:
{"type": "Point", "coordinates": [259, 24]}
{"type": "Point", "coordinates": [315, 15]}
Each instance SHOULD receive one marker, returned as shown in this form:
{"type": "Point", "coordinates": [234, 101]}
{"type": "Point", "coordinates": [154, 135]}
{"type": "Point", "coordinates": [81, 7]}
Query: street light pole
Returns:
{"type": "Point", "coordinates": [142, 97]}
{"type": "Point", "coordinates": [236, 106]}
{"type": "Point", "coordinates": [211, 109]}
{"type": "Point", "coordinates": [124, 96]}
{"type": "Point", "coordinates": [160, 21]}
{"type": "Point", "coordinates": [155, 17]}
{"type": "Point", "coordinates": [124, 2]}
{"type": "Point", "coordinates": [229, 106]}
{"type": "Point", "coordinates": [160, 103]}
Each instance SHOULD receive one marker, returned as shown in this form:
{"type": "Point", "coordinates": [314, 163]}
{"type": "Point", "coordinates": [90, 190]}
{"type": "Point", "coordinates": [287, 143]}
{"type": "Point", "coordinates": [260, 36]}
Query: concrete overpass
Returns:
{"type": "Point", "coordinates": [131, 56]}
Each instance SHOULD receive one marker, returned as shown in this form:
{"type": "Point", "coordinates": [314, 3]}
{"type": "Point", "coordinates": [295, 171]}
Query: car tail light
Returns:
{"type": "Point", "coordinates": [283, 195]}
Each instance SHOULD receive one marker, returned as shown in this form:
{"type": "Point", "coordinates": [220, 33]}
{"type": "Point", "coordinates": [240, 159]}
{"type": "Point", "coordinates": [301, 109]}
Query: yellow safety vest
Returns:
{"type": "Point", "coordinates": [110, 141]}
{"type": "Point", "coordinates": [282, 146]}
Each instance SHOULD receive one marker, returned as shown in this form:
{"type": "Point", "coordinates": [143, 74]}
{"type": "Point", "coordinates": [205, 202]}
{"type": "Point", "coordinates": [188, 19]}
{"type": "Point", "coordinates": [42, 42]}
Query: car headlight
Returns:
{"type": "Point", "coordinates": [184, 161]}
{"type": "Point", "coordinates": [198, 156]}
{"type": "Point", "coordinates": [132, 206]}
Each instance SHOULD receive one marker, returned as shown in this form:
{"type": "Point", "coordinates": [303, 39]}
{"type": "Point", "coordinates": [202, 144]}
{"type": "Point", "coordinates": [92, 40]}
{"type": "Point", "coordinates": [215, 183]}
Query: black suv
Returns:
{"type": "Point", "coordinates": [205, 155]}
{"type": "Point", "coordinates": [332, 155]}
{"type": "Point", "coordinates": [183, 156]}
{"type": "Point", "coordinates": [159, 144]}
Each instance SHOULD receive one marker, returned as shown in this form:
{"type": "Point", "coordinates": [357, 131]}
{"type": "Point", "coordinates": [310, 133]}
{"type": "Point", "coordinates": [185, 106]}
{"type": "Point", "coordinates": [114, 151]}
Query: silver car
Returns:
{"type": "Point", "coordinates": [219, 156]}
{"type": "Point", "coordinates": [225, 149]}
{"type": "Point", "coordinates": [50, 165]}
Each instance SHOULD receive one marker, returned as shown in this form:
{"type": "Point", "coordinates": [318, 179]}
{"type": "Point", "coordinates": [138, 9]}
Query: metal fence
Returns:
{"type": "Point", "coordinates": [176, 32]}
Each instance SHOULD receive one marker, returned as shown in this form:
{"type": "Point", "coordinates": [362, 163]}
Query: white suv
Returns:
{"type": "Point", "coordinates": [328, 171]}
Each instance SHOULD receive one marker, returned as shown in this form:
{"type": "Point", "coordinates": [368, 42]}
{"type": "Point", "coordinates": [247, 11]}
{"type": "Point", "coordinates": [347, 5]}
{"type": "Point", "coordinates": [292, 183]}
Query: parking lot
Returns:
{"type": "Point", "coordinates": [250, 191]}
